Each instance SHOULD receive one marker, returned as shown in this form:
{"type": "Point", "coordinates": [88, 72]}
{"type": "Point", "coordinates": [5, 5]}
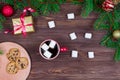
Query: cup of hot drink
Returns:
{"type": "Point", "coordinates": [50, 49]}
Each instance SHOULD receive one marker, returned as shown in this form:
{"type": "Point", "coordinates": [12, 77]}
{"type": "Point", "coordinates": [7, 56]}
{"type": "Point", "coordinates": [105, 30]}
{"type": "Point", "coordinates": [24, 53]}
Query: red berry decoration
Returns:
{"type": "Point", "coordinates": [108, 5]}
{"type": "Point", "coordinates": [7, 10]}
{"type": "Point", "coordinates": [64, 49]}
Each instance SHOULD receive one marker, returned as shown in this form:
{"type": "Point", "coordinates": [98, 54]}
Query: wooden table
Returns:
{"type": "Point", "coordinates": [102, 67]}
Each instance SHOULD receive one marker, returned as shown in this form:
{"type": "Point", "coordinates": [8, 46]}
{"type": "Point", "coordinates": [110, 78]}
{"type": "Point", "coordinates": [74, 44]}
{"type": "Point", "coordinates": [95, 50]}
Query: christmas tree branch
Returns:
{"type": "Point", "coordinates": [87, 8]}
{"type": "Point", "coordinates": [117, 55]}
{"type": "Point", "coordinates": [100, 23]}
{"type": "Point", "coordinates": [108, 42]}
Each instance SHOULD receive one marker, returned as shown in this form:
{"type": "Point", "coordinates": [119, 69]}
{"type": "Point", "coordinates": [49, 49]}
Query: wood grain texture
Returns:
{"type": "Point", "coordinates": [102, 67]}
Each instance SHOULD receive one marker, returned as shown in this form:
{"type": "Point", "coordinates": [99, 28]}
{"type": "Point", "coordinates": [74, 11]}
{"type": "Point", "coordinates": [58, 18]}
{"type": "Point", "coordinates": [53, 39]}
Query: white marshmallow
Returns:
{"type": "Point", "coordinates": [74, 54]}
{"type": "Point", "coordinates": [51, 24]}
{"type": "Point", "coordinates": [91, 55]}
{"type": "Point", "coordinates": [47, 54]}
{"type": "Point", "coordinates": [88, 35]}
{"type": "Point", "coordinates": [71, 16]}
{"type": "Point", "coordinates": [45, 47]}
{"type": "Point", "coordinates": [52, 44]}
{"type": "Point", "coordinates": [73, 36]}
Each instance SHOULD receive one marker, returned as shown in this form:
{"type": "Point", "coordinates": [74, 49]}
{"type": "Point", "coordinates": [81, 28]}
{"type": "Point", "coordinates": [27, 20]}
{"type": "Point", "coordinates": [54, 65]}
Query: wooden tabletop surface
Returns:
{"type": "Point", "coordinates": [102, 67]}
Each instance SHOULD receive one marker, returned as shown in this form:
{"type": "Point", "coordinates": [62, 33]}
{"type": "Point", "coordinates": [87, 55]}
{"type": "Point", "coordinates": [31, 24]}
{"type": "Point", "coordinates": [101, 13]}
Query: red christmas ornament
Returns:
{"type": "Point", "coordinates": [108, 5]}
{"type": "Point", "coordinates": [7, 10]}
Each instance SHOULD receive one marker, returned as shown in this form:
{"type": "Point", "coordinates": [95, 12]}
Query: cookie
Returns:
{"type": "Point", "coordinates": [13, 54]}
{"type": "Point", "coordinates": [11, 68]}
{"type": "Point", "coordinates": [21, 63]}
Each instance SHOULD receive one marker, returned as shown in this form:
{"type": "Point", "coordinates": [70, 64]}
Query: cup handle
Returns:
{"type": "Point", "coordinates": [63, 49]}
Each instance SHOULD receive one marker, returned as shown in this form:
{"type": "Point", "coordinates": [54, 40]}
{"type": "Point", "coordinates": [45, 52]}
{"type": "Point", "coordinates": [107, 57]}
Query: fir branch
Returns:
{"type": "Point", "coordinates": [11, 2]}
{"type": "Point", "coordinates": [1, 26]}
{"type": "Point", "coordinates": [88, 8]}
{"type": "Point", "coordinates": [101, 22]}
{"type": "Point", "coordinates": [77, 2]}
{"type": "Point", "coordinates": [35, 4]}
{"type": "Point", "coordinates": [2, 19]}
{"type": "Point", "coordinates": [60, 1]}
{"type": "Point", "coordinates": [45, 9]}
{"type": "Point", "coordinates": [97, 6]}
{"type": "Point", "coordinates": [117, 8]}
{"type": "Point", "coordinates": [21, 4]}
{"type": "Point", "coordinates": [105, 40]}
{"type": "Point", "coordinates": [116, 21]}
{"type": "Point", "coordinates": [108, 42]}
{"type": "Point", "coordinates": [55, 8]}
{"type": "Point", "coordinates": [117, 55]}
{"type": "Point", "coordinates": [47, 6]}
{"type": "Point", "coordinates": [111, 19]}
{"type": "Point", "coordinates": [35, 13]}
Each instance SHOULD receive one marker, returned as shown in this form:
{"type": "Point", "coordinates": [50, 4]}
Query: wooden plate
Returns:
{"type": "Point", "coordinates": [22, 74]}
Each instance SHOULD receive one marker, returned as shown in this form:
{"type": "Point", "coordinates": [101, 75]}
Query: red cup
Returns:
{"type": "Point", "coordinates": [58, 49]}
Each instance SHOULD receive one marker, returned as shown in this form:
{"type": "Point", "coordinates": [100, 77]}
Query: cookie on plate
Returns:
{"type": "Point", "coordinates": [11, 68]}
{"type": "Point", "coordinates": [22, 63]}
{"type": "Point", "coordinates": [13, 54]}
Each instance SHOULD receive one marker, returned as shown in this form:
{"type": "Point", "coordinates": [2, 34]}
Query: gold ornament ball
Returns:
{"type": "Point", "coordinates": [116, 34]}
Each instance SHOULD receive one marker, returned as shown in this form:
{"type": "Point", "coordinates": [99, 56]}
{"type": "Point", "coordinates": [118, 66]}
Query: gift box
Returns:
{"type": "Point", "coordinates": [23, 26]}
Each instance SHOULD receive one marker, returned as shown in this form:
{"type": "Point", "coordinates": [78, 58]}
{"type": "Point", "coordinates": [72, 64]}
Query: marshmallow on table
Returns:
{"type": "Point", "coordinates": [45, 47]}
{"type": "Point", "coordinates": [88, 35]}
{"type": "Point", "coordinates": [91, 55]}
{"type": "Point", "coordinates": [74, 54]}
{"type": "Point", "coordinates": [52, 44]}
{"type": "Point", "coordinates": [51, 24]}
{"type": "Point", "coordinates": [71, 16]}
{"type": "Point", "coordinates": [73, 36]}
{"type": "Point", "coordinates": [47, 54]}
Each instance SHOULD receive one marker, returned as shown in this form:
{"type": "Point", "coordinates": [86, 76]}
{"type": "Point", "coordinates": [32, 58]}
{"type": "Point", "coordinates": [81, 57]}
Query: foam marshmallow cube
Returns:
{"type": "Point", "coordinates": [71, 16]}
{"type": "Point", "coordinates": [74, 54]}
{"type": "Point", "coordinates": [51, 24]}
{"type": "Point", "coordinates": [52, 44]}
{"type": "Point", "coordinates": [88, 35]}
{"type": "Point", "coordinates": [73, 36]}
{"type": "Point", "coordinates": [91, 55]}
{"type": "Point", "coordinates": [45, 47]}
{"type": "Point", "coordinates": [47, 54]}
